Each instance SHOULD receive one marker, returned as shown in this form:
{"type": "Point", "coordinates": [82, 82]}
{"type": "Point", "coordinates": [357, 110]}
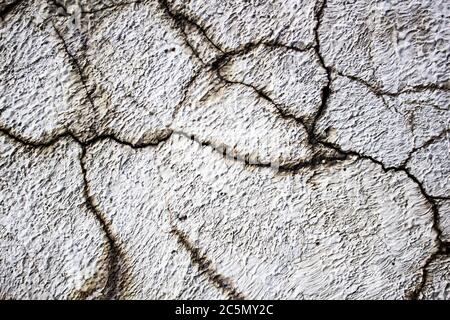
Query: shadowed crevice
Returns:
{"type": "Point", "coordinates": [9, 8]}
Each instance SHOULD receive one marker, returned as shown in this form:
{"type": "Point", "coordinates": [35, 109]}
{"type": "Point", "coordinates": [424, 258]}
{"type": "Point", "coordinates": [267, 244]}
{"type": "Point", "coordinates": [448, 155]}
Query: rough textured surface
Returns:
{"type": "Point", "coordinates": [431, 165]}
{"type": "Point", "coordinates": [278, 236]}
{"type": "Point", "coordinates": [40, 89]}
{"type": "Point", "coordinates": [238, 121]}
{"type": "Point", "coordinates": [444, 219]}
{"type": "Point", "coordinates": [224, 149]}
{"type": "Point", "coordinates": [158, 268]}
{"type": "Point", "coordinates": [227, 22]}
{"type": "Point", "coordinates": [393, 45]}
{"type": "Point", "coordinates": [51, 244]}
{"type": "Point", "coordinates": [294, 80]}
{"type": "Point", "coordinates": [388, 128]}
{"type": "Point", "coordinates": [437, 286]}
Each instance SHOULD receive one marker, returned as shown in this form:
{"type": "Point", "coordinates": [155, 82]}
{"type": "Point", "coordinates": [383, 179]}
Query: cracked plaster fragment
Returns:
{"type": "Point", "coordinates": [233, 24]}
{"type": "Point", "coordinates": [292, 79]}
{"type": "Point", "coordinates": [236, 120]}
{"type": "Point", "coordinates": [41, 92]}
{"type": "Point", "coordinates": [437, 285]}
{"type": "Point", "coordinates": [139, 91]}
{"type": "Point", "coordinates": [387, 128]}
{"type": "Point", "coordinates": [431, 166]}
{"type": "Point", "coordinates": [444, 219]}
{"type": "Point", "coordinates": [102, 79]}
{"type": "Point", "coordinates": [392, 45]}
{"type": "Point", "coordinates": [52, 246]}
{"type": "Point", "coordinates": [131, 201]}
{"type": "Point", "coordinates": [276, 235]}
{"type": "Point", "coordinates": [90, 80]}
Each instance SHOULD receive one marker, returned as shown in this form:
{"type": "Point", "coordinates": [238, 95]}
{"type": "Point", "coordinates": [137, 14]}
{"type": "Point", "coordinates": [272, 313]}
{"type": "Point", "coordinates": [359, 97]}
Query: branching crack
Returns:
{"type": "Point", "coordinates": [114, 286]}
{"type": "Point", "coordinates": [426, 144]}
{"type": "Point", "coordinates": [117, 281]}
{"type": "Point", "coordinates": [281, 111]}
{"type": "Point", "coordinates": [441, 245]}
{"type": "Point", "coordinates": [78, 68]}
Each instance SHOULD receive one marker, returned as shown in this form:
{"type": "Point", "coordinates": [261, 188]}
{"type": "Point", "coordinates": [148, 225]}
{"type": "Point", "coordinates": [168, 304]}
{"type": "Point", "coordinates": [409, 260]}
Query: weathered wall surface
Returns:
{"type": "Point", "coordinates": [225, 149]}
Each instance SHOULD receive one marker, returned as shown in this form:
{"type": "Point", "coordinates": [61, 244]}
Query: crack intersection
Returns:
{"type": "Point", "coordinates": [204, 264]}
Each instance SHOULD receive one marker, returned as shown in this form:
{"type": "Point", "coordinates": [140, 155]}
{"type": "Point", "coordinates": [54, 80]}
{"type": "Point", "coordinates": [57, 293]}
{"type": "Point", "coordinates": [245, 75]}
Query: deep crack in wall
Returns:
{"type": "Point", "coordinates": [216, 149]}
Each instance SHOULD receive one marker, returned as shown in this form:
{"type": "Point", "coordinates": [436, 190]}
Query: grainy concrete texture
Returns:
{"type": "Point", "coordinates": [193, 149]}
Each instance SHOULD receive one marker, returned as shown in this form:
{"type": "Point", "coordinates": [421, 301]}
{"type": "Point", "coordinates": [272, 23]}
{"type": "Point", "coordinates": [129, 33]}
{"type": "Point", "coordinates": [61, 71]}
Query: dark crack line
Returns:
{"type": "Point", "coordinates": [440, 197]}
{"type": "Point", "coordinates": [112, 7]}
{"type": "Point", "coordinates": [250, 46]}
{"type": "Point", "coordinates": [245, 48]}
{"type": "Point", "coordinates": [229, 153]}
{"type": "Point", "coordinates": [117, 277]}
{"type": "Point", "coordinates": [67, 134]}
{"type": "Point", "coordinates": [326, 91]}
{"type": "Point", "coordinates": [205, 265]}
{"type": "Point", "coordinates": [379, 92]}
{"type": "Point", "coordinates": [441, 245]}
{"type": "Point", "coordinates": [180, 19]}
{"type": "Point", "coordinates": [115, 285]}
{"type": "Point", "coordinates": [426, 144]}
{"type": "Point", "coordinates": [202, 261]}
{"type": "Point", "coordinates": [224, 58]}
{"type": "Point", "coordinates": [61, 6]}
{"type": "Point", "coordinates": [83, 78]}
{"type": "Point", "coordinates": [286, 115]}
{"type": "Point", "coordinates": [186, 92]}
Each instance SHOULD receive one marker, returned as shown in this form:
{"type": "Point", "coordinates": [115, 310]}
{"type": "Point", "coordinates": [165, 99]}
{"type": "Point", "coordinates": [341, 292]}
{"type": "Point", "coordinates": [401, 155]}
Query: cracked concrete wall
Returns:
{"type": "Point", "coordinates": [224, 149]}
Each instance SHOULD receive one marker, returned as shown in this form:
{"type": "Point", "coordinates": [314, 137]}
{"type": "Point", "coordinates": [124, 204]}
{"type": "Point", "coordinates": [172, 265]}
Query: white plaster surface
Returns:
{"type": "Point", "coordinates": [288, 149]}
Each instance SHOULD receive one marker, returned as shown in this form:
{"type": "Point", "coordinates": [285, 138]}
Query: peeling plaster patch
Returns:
{"type": "Point", "coordinates": [51, 244]}
{"type": "Point", "coordinates": [292, 79]}
{"type": "Point", "coordinates": [233, 24]}
{"type": "Point", "coordinates": [437, 286]}
{"type": "Point", "coordinates": [431, 165]}
{"type": "Point", "coordinates": [388, 128]}
{"type": "Point", "coordinates": [392, 45]}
